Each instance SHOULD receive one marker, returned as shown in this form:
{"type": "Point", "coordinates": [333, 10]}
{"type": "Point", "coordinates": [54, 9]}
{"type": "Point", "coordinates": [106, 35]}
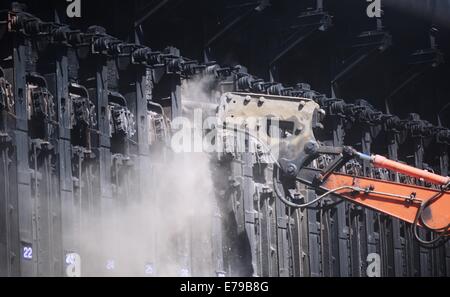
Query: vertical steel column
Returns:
{"type": "Point", "coordinates": [251, 215]}
{"type": "Point", "coordinates": [61, 175]}
{"type": "Point", "coordinates": [424, 253]}
{"type": "Point", "coordinates": [27, 223]}
{"type": "Point", "coordinates": [64, 149]}
{"type": "Point", "coordinates": [239, 245]}
{"type": "Point", "coordinates": [104, 160]}
{"type": "Point", "coordinates": [239, 256]}
{"type": "Point", "coordinates": [268, 231]}
{"type": "Point", "coordinates": [9, 229]}
{"type": "Point", "coordinates": [264, 206]}
{"type": "Point", "coordinates": [315, 251]}
{"type": "Point", "coordinates": [9, 249]}
{"type": "Point", "coordinates": [283, 247]}
{"type": "Point", "coordinates": [46, 208]}
{"type": "Point", "coordinates": [144, 86]}
{"type": "Point", "coordinates": [298, 238]}
{"type": "Point", "coordinates": [340, 231]}
{"type": "Point", "coordinates": [398, 227]}
{"type": "Point", "coordinates": [371, 218]}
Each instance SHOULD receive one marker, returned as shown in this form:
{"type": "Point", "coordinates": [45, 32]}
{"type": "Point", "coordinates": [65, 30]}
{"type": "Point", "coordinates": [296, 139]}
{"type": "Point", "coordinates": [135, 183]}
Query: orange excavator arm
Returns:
{"type": "Point", "coordinates": [402, 201]}
{"type": "Point", "coordinates": [428, 207]}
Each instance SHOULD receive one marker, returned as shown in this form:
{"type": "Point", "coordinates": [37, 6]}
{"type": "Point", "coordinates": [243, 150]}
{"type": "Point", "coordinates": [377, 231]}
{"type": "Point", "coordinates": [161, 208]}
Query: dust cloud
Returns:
{"type": "Point", "coordinates": [167, 229]}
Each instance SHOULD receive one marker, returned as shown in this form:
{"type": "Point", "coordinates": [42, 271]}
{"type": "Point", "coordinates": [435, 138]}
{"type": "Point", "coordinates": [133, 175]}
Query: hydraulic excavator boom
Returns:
{"type": "Point", "coordinates": [426, 206]}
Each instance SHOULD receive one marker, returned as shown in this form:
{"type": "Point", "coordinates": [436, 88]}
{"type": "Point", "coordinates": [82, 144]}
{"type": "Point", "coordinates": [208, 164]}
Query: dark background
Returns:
{"type": "Point", "coordinates": [236, 32]}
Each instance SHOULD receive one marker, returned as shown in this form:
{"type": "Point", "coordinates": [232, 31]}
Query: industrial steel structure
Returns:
{"type": "Point", "coordinates": [86, 113]}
